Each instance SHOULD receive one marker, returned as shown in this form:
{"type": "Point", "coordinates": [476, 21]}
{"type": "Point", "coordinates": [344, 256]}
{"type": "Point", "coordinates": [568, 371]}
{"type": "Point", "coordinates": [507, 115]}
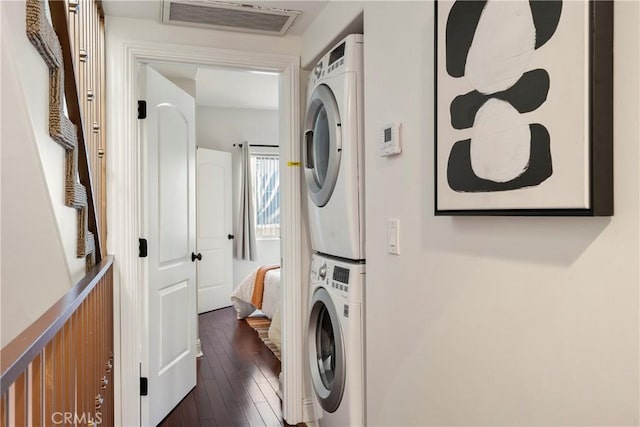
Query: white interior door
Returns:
{"type": "Point", "coordinates": [215, 272]}
{"type": "Point", "coordinates": [169, 212]}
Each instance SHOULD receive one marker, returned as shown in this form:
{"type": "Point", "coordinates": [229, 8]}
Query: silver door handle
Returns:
{"type": "Point", "coordinates": [308, 152]}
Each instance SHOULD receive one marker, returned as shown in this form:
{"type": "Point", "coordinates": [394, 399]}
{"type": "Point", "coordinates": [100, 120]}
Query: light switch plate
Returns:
{"type": "Point", "coordinates": [393, 236]}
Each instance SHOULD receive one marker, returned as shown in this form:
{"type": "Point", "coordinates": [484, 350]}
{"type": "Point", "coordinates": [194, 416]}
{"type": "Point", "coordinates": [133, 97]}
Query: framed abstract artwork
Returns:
{"type": "Point", "coordinates": [524, 107]}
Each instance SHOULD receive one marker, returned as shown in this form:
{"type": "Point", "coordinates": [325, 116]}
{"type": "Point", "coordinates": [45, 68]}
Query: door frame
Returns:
{"type": "Point", "coordinates": [124, 208]}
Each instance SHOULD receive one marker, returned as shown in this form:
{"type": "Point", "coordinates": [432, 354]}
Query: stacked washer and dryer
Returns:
{"type": "Point", "coordinates": [333, 154]}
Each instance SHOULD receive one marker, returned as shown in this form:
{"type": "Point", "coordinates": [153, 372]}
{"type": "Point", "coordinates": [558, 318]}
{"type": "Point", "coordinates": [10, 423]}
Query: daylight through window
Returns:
{"type": "Point", "coordinates": [266, 186]}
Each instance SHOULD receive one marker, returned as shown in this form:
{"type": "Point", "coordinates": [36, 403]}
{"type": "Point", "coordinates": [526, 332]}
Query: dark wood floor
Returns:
{"type": "Point", "coordinates": [237, 378]}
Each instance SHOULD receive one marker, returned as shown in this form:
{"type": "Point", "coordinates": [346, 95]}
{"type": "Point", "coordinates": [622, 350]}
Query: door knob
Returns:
{"type": "Point", "coordinates": [230, 236]}
{"type": "Point", "coordinates": [195, 257]}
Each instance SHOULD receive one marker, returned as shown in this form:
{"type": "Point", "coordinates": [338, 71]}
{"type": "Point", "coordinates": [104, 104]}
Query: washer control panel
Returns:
{"type": "Point", "coordinates": [340, 279]}
{"type": "Point", "coordinates": [322, 272]}
{"type": "Point", "coordinates": [331, 275]}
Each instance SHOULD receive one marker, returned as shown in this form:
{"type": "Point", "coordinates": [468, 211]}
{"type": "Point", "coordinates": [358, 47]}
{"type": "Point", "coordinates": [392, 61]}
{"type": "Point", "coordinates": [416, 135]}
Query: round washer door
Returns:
{"type": "Point", "coordinates": [326, 351]}
{"type": "Point", "coordinates": [322, 145]}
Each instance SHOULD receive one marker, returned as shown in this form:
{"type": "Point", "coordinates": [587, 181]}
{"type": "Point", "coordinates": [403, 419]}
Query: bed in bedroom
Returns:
{"type": "Point", "coordinates": [259, 294]}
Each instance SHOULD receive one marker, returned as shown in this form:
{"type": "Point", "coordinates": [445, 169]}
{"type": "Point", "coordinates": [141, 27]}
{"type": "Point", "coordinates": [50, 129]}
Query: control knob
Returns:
{"type": "Point", "coordinates": [322, 272]}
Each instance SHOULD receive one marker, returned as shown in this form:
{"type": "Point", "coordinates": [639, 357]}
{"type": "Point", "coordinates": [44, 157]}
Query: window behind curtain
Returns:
{"type": "Point", "coordinates": [266, 187]}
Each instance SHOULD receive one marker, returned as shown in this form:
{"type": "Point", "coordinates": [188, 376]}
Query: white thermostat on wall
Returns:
{"type": "Point", "coordinates": [390, 140]}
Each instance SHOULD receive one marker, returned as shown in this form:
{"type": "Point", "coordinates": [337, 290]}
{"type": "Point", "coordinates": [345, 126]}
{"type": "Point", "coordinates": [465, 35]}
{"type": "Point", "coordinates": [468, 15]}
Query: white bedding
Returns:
{"type": "Point", "coordinates": [241, 296]}
{"type": "Point", "coordinates": [271, 299]}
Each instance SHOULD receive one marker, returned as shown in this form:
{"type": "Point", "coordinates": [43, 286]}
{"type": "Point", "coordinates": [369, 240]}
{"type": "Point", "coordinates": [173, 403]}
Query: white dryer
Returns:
{"type": "Point", "coordinates": [333, 151]}
{"type": "Point", "coordinates": [336, 340]}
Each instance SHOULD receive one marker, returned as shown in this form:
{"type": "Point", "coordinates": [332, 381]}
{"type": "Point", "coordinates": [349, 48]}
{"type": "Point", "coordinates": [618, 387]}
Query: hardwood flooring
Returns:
{"type": "Point", "coordinates": [237, 378]}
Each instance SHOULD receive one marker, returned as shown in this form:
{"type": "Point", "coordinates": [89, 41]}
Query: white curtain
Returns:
{"type": "Point", "coordinates": [246, 231]}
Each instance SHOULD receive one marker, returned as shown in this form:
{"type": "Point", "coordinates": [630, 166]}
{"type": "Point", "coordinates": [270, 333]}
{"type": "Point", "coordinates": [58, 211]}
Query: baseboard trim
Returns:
{"type": "Point", "coordinates": [309, 414]}
{"type": "Point", "coordinates": [280, 392]}
{"type": "Point", "coordinates": [199, 348]}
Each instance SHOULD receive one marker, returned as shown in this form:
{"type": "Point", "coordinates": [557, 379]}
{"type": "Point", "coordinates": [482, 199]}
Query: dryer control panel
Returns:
{"type": "Point", "coordinates": [345, 56]}
{"type": "Point", "coordinates": [336, 57]}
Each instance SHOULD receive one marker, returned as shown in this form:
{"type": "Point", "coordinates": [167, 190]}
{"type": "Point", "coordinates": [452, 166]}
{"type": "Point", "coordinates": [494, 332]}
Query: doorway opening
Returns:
{"type": "Point", "coordinates": [233, 108]}
{"type": "Point", "coordinates": [128, 205]}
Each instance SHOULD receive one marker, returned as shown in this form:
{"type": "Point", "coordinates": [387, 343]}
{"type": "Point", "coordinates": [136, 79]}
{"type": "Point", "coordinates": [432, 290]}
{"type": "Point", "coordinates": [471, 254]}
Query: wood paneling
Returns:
{"type": "Point", "coordinates": [37, 391]}
{"type": "Point", "coordinates": [19, 406]}
{"type": "Point", "coordinates": [56, 368]}
{"type": "Point", "coordinates": [4, 413]}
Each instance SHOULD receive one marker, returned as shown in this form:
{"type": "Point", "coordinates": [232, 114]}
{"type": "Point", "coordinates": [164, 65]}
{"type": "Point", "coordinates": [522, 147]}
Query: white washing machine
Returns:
{"type": "Point", "coordinates": [333, 151]}
{"type": "Point", "coordinates": [336, 340]}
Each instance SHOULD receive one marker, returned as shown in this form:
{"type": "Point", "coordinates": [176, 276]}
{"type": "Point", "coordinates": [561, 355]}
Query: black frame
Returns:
{"type": "Point", "coordinates": [600, 123]}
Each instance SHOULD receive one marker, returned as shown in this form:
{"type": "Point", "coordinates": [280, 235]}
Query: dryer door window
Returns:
{"type": "Point", "coordinates": [322, 145]}
{"type": "Point", "coordinates": [326, 351]}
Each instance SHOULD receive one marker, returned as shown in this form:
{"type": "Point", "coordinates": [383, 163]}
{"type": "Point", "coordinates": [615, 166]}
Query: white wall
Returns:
{"type": "Point", "coordinates": [33, 82]}
{"type": "Point", "coordinates": [492, 321]}
{"type": "Point", "coordinates": [219, 129]}
{"type": "Point", "coordinates": [34, 270]}
{"type": "Point", "coordinates": [336, 20]}
{"type": "Point", "coordinates": [119, 29]}
{"type": "Point", "coordinates": [187, 85]}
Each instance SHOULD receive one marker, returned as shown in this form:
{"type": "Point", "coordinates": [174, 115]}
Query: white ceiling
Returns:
{"type": "Point", "coordinates": [150, 10]}
{"type": "Point", "coordinates": [225, 88]}
{"type": "Point", "coordinates": [236, 89]}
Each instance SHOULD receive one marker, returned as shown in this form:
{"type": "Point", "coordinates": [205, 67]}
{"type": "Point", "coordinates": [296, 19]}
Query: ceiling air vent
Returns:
{"type": "Point", "coordinates": [228, 16]}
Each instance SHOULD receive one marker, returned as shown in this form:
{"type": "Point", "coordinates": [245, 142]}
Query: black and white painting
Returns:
{"type": "Point", "coordinates": [512, 105]}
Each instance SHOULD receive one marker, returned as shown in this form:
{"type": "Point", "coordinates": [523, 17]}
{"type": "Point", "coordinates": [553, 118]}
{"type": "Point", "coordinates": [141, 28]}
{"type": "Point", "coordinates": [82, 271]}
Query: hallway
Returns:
{"type": "Point", "coordinates": [237, 378]}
